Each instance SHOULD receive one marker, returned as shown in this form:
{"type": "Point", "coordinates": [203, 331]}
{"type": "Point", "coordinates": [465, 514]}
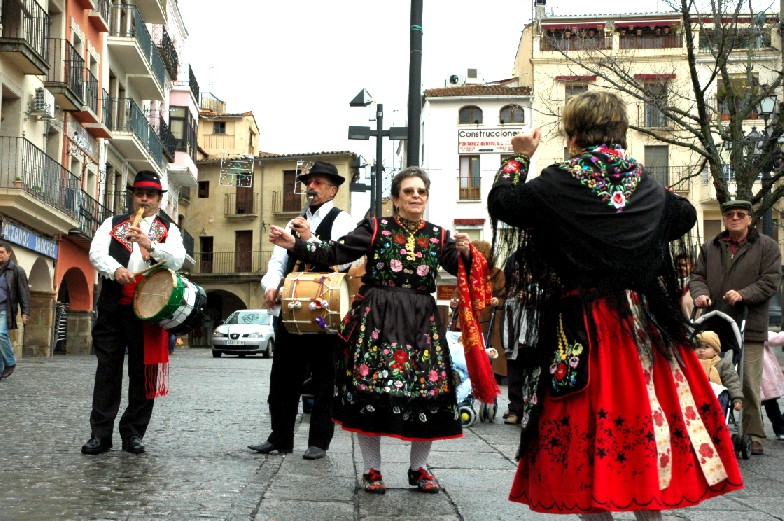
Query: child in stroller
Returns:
{"type": "Point", "coordinates": [730, 338]}
{"type": "Point", "coordinates": [465, 398]}
{"type": "Point", "coordinates": [722, 375]}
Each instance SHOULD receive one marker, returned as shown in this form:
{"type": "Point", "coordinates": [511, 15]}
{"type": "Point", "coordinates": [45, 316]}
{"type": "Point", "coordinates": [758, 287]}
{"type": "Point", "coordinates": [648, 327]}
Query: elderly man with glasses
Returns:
{"type": "Point", "coordinates": [741, 268]}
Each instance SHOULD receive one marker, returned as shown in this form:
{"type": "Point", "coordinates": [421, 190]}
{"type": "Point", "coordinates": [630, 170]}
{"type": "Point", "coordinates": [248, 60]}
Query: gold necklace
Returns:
{"type": "Point", "coordinates": [411, 228]}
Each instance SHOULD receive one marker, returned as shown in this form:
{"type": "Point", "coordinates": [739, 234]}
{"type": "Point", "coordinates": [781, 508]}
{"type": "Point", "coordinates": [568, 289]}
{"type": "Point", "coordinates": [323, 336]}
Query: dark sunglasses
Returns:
{"type": "Point", "coordinates": [739, 215]}
{"type": "Point", "coordinates": [411, 191]}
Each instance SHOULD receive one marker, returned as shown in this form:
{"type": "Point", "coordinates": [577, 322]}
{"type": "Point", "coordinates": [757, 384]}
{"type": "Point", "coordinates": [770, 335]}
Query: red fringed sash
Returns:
{"type": "Point", "coordinates": [156, 349]}
{"type": "Point", "coordinates": [474, 295]}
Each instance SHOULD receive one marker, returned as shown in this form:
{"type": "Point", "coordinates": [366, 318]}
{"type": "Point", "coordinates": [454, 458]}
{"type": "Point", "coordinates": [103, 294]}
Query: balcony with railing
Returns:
{"type": "Point", "coordinates": [287, 204]}
{"type": "Point", "coordinates": [194, 85]}
{"type": "Point", "coordinates": [24, 28]}
{"type": "Point", "coordinates": [89, 110]}
{"type": "Point", "coordinates": [65, 79]}
{"type": "Point", "coordinates": [650, 41]}
{"type": "Point", "coordinates": [231, 262]}
{"type": "Point", "coordinates": [650, 116]}
{"type": "Point", "coordinates": [676, 177]}
{"type": "Point", "coordinates": [96, 126]}
{"type": "Point", "coordinates": [575, 43]}
{"type": "Point", "coordinates": [117, 202]}
{"type": "Point", "coordinates": [241, 204]}
{"type": "Point", "coordinates": [469, 188]}
{"type": "Point", "coordinates": [133, 135]}
{"type": "Point", "coordinates": [91, 215]}
{"type": "Point", "coordinates": [99, 15]}
{"type": "Point", "coordinates": [167, 52]}
{"type": "Point", "coordinates": [35, 188]}
{"type": "Point", "coordinates": [131, 45]}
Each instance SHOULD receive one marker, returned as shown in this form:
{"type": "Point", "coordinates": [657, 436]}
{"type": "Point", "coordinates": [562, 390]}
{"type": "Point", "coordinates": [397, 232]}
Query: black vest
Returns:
{"type": "Point", "coordinates": [111, 291]}
{"type": "Point", "coordinates": [324, 230]}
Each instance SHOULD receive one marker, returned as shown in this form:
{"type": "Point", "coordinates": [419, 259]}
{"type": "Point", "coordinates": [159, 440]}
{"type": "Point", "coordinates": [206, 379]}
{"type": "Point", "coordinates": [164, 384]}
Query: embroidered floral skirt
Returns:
{"type": "Point", "coordinates": [641, 434]}
{"type": "Point", "coordinates": [394, 373]}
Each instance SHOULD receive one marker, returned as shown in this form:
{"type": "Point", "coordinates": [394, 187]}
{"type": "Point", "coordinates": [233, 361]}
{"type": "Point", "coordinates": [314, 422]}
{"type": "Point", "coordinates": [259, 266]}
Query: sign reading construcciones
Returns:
{"type": "Point", "coordinates": [29, 240]}
{"type": "Point", "coordinates": [485, 140]}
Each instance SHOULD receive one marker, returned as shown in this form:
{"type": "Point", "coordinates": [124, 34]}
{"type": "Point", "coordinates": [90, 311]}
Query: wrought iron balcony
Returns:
{"type": "Point", "coordinates": [91, 215]}
{"type": "Point", "coordinates": [126, 23]}
{"type": "Point", "coordinates": [118, 202]}
{"type": "Point", "coordinates": [128, 118]}
{"type": "Point", "coordinates": [231, 262]}
{"type": "Point", "coordinates": [241, 203]}
{"type": "Point", "coordinates": [677, 177]}
{"type": "Point", "coordinates": [287, 203]}
{"type": "Point", "coordinates": [168, 53]}
{"type": "Point", "coordinates": [99, 14]}
{"type": "Point", "coordinates": [24, 28]}
{"type": "Point", "coordinates": [66, 74]}
{"type": "Point", "coordinates": [194, 84]}
{"type": "Point", "coordinates": [27, 167]}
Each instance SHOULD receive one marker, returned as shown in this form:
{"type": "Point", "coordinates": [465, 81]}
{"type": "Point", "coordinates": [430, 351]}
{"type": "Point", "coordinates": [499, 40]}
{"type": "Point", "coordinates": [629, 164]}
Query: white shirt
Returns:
{"type": "Point", "coordinates": [171, 252]}
{"type": "Point", "coordinates": [276, 269]}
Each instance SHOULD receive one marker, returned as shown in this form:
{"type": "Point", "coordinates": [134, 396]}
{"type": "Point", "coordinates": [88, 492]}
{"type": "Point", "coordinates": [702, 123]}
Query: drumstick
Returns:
{"type": "Point", "coordinates": [138, 217]}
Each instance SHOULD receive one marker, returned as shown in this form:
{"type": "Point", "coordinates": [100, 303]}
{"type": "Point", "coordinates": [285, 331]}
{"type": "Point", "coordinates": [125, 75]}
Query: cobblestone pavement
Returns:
{"type": "Point", "coordinates": [197, 465]}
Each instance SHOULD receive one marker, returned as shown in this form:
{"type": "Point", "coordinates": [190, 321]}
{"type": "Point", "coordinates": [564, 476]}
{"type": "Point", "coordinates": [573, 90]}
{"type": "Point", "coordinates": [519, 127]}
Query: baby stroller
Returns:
{"type": "Point", "coordinates": [731, 345]}
{"type": "Point", "coordinates": [465, 400]}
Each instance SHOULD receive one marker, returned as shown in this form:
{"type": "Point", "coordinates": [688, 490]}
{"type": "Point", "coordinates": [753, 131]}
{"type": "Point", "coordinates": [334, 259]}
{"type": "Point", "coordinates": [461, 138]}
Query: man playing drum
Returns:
{"type": "Point", "coordinates": [296, 354]}
{"type": "Point", "coordinates": [124, 246]}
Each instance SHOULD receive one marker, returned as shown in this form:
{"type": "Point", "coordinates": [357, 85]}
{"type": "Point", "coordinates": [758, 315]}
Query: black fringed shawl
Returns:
{"type": "Point", "coordinates": [594, 226]}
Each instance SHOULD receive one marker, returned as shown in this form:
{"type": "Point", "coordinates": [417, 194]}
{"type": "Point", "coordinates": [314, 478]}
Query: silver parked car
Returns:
{"type": "Point", "coordinates": [245, 332]}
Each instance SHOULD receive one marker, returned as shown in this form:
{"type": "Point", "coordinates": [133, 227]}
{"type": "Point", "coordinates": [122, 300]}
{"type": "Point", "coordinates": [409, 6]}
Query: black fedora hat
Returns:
{"type": "Point", "coordinates": [323, 168]}
{"type": "Point", "coordinates": [148, 180]}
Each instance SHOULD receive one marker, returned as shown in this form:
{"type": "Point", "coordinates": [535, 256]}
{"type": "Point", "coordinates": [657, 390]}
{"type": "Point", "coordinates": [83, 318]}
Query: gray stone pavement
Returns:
{"type": "Point", "coordinates": [197, 465]}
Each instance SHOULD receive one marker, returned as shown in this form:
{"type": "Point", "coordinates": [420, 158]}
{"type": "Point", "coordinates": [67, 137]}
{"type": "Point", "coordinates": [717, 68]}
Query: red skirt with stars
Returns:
{"type": "Point", "coordinates": [643, 433]}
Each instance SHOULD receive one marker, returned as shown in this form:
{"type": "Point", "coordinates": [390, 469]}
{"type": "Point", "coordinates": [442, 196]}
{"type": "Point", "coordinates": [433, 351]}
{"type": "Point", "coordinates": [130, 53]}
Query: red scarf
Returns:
{"type": "Point", "coordinates": [156, 349]}
{"type": "Point", "coordinates": [475, 293]}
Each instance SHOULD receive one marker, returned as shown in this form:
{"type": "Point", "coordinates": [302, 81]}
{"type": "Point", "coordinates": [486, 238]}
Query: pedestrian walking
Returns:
{"type": "Point", "coordinates": [618, 415]}
{"type": "Point", "coordinates": [394, 371]}
{"type": "Point", "coordinates": [123, 247]}
{"type": "Point", "coordinates": [740, 269]}
{"type": "Point", "coordinates": [14, 293]}
{"type": "Point", "coordinates": [301, 357]}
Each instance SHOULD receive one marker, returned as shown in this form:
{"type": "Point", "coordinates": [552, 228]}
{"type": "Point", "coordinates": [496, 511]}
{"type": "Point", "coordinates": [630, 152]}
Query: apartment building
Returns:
{"type": "Point", "coordinates": [241, 192]}
{"type": "Point", "coordinates": [86, 90]}
{"type": "Point", "coordinates": [651, 49]}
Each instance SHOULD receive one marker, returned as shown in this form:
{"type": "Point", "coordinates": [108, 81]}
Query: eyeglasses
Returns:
{"type": "Point", "coordinates": [733, 215]}
{"type": "Point", "coordinates": [411, 191]}
{"type": "Point", "coordinates": [141, 192]}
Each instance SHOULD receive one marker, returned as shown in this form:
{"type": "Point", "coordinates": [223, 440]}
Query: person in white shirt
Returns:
{"type": "Point", "coordinates": [296, 356]}
{"type": "Point", "coordinates": [120, 250]}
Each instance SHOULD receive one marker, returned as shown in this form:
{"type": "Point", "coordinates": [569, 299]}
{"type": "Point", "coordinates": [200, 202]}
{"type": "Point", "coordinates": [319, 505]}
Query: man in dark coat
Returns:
{"type": "Point", "coordinates": [737, 268]}
{"type": "Point", "coordinates": [14, 291]}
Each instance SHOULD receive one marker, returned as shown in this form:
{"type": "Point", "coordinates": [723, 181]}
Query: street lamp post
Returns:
{"type": "Point", "coordinates": [363, 99]}
{"type": "Point", "coordinates": [766, 108]}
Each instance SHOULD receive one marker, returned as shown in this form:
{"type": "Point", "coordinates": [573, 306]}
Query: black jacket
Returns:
{"type": "Point", "coordinates": [18, 292]}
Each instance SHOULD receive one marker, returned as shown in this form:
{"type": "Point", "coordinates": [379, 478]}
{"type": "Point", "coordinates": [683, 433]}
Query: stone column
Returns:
{"type": "Point", "coordinates": [35, 338]}
{"type": "Point", "coordinates": [80, 336]}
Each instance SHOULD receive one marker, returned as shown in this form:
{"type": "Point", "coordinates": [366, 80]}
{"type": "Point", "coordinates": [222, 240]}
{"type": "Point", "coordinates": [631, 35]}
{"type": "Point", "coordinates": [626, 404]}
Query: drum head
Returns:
{"type": "Point", "coordinates": [158, 295]}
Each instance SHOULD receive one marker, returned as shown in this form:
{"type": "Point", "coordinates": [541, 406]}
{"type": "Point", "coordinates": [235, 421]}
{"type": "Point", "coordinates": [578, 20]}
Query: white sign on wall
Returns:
{"type": "Point", "coordinates": [485, 140]}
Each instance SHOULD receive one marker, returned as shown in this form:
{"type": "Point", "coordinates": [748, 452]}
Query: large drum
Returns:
{"type": "Point", "coordinates": [314, 302]}
{"type": "Point", "coordinates": [171, 300]}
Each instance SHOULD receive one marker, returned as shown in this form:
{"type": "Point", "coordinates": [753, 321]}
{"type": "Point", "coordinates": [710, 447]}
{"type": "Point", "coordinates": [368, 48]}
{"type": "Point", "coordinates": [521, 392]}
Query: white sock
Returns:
{"type": "Point", "coordinates": [420, 451]}
{"type": "Point", "coordinates": [648, 515]}
{"type": "Point", "coordinates": [370, 447]}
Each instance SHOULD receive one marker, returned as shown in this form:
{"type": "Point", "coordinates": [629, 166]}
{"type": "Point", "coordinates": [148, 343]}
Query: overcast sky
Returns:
{"type": "Point", "coordinates": [296, 64]}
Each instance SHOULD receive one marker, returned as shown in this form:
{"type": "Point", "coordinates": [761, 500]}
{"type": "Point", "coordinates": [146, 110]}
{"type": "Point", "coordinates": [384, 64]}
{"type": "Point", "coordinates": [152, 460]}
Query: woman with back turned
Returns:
{"type": "Point", "coordinates": [618, 413]}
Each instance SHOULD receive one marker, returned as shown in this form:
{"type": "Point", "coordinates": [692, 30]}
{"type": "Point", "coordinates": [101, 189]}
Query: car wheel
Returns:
{"type": "Point", "coordinates": [270, 349]}
{"type": "Point", "coordinates": [216, 354]}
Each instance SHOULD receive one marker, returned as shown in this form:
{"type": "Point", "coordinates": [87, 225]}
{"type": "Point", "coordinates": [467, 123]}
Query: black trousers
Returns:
{"type": "Point", "coordinates": [295, 356]}
{"type": "Point", "coordinates": [112, 333]}
{"type": "Point", "coordinates": [514, 382]}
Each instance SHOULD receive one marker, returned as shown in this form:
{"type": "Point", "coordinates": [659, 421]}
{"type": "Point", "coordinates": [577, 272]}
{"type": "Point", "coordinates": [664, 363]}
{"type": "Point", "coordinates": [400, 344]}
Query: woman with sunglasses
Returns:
{"type": "Point", "coordinates": [394, 372]}
{"type": "Point", "coordinates": [618, 414]}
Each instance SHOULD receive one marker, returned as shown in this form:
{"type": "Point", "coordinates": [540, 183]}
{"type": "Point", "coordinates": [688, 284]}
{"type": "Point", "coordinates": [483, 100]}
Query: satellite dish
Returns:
{"type": "Point", "coordinates": [456, 79]}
